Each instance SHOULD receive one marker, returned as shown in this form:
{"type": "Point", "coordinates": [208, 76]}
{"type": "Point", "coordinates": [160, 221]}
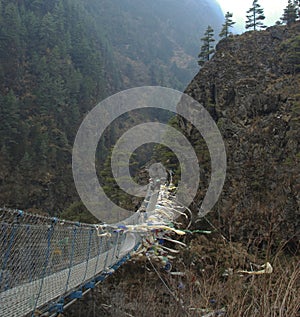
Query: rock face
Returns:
{"type": "Point", "coordinates": [252, 89]}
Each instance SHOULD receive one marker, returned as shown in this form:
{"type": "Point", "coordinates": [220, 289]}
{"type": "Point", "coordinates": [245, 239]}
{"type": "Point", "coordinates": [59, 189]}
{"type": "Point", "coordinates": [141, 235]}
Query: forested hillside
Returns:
{"type": "Point", "coordinates": [54, 65]}
{"type": "Point", "coordinates": [59, 58]}
{"type": "Point", "coordinates": [156, 42]}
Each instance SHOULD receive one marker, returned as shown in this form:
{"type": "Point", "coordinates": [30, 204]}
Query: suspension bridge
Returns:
{"type": "Point", "coordinates": [48, 263]}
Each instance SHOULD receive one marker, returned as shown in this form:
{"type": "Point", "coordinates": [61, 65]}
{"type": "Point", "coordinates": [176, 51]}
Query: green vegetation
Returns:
{"type": "Point", "coordinates": [207, 47]}
{"type": "Point", "coordinates": [255, 17]}
{"type": "Point", "coordinates": [77, 212]}
{"type": "Point", "coordinates": [293, 53]}
{"type": "Point", "coordinates": [58, 59]}
{"type": "Point", "coordinates": [290, 13]}
{"type": "Point", "coordinates": [227, 25]}
{"type": "Point", "coordinates": [291, 49]}
{"type": "Point", "coordinates": [52, 67]}
{"type": "Point", "coordinates": [166, 156]}
{"type": "Point", "coordinates": [155, 42]}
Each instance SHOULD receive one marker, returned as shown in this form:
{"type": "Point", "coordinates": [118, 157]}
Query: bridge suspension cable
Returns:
{"type": "Point", "coordinates": [47, 262]}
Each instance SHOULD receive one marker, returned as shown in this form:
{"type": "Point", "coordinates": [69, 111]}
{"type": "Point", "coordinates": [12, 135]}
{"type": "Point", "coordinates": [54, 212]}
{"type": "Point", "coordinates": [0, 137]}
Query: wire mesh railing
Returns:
{"type": "Point", "coordinates": [43, 258]}
{"type": "Point", "coordinates": [44, 261]}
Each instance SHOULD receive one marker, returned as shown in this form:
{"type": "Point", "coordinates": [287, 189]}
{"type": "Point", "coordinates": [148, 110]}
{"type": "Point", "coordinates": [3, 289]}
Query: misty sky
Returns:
{"type": "Point", "coordinates": [273, 10]}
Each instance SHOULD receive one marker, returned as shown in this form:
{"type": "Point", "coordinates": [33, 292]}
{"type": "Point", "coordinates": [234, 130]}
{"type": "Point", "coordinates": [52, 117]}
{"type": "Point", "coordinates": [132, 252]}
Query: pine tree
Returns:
{"type": "Point", "coordinates": [11, 48]}
{"type": "Point", "coordinates": [227, 25]}
{"type": "Point", "coordinates": [207, 48]}
{"type": "Point", "coordinates": [297, 6]}
{"type": "Point", "coordinates": [255, 17]}
{"type": "Point", "coordinates": [290, 13]}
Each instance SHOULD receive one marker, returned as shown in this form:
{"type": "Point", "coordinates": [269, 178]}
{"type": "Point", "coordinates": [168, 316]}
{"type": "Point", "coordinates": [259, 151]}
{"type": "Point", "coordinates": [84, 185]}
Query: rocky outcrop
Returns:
{"type": "Point", "coordinates": [252, 89]}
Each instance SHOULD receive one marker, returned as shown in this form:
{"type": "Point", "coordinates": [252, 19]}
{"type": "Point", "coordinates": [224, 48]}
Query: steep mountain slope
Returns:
{"type": "Point", "coordinates": [156, 42]}
{"type": "Point", "coordinates": [54, 66]}
{"type": "Point", "coordinates": [251, 87]}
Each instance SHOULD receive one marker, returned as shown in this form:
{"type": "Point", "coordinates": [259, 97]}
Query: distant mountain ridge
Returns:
{"type": "Point", "coordinates": [156, 42]}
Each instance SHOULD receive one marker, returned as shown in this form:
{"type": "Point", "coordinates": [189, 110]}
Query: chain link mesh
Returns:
{"type": "Point", "coordinates": [42, 258]}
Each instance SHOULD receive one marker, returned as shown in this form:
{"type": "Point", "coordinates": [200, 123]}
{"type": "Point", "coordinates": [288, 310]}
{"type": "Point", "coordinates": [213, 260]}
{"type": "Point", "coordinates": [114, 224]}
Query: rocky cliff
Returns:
{"type": "Point", "coordinates": [252, 89]}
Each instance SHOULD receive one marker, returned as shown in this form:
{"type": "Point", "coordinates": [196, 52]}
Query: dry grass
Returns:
{"type": "Point", "coordinates": [276, 294]}
{"type": "Point", "coordinates": [137, 290]}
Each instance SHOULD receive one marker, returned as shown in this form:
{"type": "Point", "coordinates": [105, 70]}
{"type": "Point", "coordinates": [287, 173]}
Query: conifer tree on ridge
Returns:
{"type": "Point", "coordinates": [207, 48]}
{"type": "Point", "coordinates": [227, 25]}
{"type": "Point", "coordinates": [255, 17]}
{"type": "Point", "coordinates": [290, 12]}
